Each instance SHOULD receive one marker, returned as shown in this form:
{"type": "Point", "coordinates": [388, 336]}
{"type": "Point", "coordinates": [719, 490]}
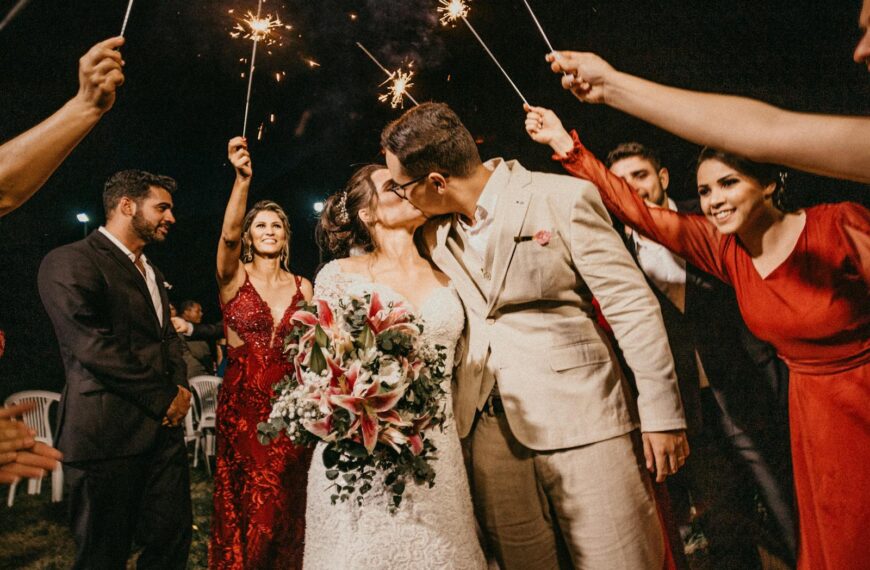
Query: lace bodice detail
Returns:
{"type": "Point", "coordinates": [434, 527]}
{"type": "Point", "coordinates": [441, 313]}
{"type": "Point", "coordinates": [251, 318]}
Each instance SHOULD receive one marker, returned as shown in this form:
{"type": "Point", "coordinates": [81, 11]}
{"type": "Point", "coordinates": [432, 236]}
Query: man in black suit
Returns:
{"type": "Point", "coordinates": [126, 391]}
{"type": "Point", "coordinates": [733, 389]}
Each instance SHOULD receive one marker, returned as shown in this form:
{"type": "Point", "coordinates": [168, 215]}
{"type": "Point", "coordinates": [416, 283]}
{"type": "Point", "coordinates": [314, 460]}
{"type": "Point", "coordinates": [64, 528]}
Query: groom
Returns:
{"type": "Point", "coordinates": [555, 455]}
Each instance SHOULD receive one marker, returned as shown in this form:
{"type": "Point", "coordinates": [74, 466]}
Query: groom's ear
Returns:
{"type": "Point", "coordinates": [439, 181]}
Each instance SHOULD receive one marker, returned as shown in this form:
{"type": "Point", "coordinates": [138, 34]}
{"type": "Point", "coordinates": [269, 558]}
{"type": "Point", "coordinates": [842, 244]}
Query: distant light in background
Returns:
{"type": "Point", "coordinates": [318, 207]}
{"type": "Point", "coordinates": [84, 219]}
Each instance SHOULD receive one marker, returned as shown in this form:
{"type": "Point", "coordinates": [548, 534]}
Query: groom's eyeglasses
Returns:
{"type": "Point", "coordinates": [401, 190]}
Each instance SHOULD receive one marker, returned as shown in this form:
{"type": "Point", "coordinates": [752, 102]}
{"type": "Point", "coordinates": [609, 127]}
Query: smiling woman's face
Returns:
{"type": "Point", "coordinates": [730, 199]}
{"type": "Point", "coordinates": [267, 234]}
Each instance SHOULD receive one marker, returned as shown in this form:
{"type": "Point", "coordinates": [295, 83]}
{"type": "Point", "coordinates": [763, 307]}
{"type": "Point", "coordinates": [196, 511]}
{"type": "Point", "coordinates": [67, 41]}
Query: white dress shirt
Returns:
{"type": "Point", "coordinates": [150, 277]}
{"type": "Point", "coordinates": [665, 269]}
{"type": "Point", "coordinates": [480, 228]}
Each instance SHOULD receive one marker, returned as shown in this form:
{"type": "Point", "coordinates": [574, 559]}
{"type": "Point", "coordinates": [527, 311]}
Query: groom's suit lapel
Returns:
{"type": "Point", "coordinates": [510, 213]}
{"type": "Point", "coordinates": [453, 252]}
{"type": "Point", "coordinates": [102, 244]}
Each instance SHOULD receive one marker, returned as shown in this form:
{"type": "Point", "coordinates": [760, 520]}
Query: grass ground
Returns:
{"type": "Point", "coordinates": [34, 534]}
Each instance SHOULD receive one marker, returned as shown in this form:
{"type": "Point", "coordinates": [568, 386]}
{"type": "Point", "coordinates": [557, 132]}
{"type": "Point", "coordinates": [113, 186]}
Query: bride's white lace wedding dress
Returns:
{"type": "Point", "coordinates": [433, 527]}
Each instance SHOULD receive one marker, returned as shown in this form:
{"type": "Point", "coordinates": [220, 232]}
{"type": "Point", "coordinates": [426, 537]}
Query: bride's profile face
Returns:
{"type": "Point", "coordinates": [390, 209]}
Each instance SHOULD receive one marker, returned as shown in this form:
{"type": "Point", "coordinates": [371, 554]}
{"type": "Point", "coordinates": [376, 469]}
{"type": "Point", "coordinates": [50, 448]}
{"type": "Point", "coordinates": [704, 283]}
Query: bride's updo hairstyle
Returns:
{"type": "Point", "coordinates": [340, 229]}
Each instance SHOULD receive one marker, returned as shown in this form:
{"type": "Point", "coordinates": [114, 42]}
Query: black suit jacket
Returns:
{"type": "Point", "coordinates": [122, 367]}
{"type": "Point", "coordinates": [748, 380]}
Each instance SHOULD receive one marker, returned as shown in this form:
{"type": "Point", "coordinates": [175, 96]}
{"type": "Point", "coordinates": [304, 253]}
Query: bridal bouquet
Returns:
{"type": "Point", "coordinates": [365, 385]}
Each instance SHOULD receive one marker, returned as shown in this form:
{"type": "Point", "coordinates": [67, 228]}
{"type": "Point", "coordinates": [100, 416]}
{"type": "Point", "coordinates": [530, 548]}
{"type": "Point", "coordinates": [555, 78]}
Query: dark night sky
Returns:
{"type": "Point", "coordinates": [184, 98]}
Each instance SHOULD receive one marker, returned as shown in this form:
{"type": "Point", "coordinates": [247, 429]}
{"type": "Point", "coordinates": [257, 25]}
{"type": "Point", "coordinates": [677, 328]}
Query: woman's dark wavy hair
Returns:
{"type": "Point", "coordinates": [762, 172]}
{"type": "Point", "coordinates": [247, 254]}
{"type": "Point", "coordinates": [340, 228]}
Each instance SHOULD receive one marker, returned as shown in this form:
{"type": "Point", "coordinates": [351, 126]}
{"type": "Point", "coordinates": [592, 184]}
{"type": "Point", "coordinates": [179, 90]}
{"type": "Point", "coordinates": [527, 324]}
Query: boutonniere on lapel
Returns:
{"type": "Point", "coordinates": [542, 237]}
{"type": "Point", "coordinates": [167, 285]}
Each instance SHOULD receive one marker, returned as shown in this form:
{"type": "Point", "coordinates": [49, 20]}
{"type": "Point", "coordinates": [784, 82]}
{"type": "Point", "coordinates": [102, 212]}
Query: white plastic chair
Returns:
{"type": "Point", "coordinates": [205, 389]}
{"type": "Point", "coordinates": [191, 434]}
{"type": "Point", "coordinates": [37, 420]}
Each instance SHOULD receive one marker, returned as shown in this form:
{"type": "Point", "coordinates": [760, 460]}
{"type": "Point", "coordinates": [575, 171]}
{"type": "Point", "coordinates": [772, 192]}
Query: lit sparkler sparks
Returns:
{"type": "Point", "coordinates": [399, 82]}
{"type": "Point", "coordinates": [452, 10]}
{"type": "Point", "coordinates": [259, 29]}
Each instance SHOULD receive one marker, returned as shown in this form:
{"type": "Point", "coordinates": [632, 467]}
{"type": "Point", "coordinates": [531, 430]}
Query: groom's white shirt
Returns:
{"type": "Point", "coordinates": [484, 214]}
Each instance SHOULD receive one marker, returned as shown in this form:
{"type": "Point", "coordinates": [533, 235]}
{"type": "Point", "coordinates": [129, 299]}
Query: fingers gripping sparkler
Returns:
{"type": "Point", "coordinates": [452, 10]}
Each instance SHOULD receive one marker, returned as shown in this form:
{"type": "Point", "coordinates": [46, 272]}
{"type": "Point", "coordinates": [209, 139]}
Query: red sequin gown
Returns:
{"type": "Point", "coordinates": [259, 495]}
{"type": "Point", "coordinates": [815, 309]}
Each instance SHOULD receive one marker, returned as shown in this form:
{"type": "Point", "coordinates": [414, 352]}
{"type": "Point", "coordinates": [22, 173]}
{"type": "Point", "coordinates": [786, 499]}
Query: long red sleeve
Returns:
{"type": "Point", "coordinates": [689, 236]}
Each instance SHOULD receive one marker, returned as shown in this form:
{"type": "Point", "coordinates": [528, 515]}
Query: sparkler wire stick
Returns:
{"type": "Point", "coordinates": [508, 77]}
{"type": "Point", "coordinates": [256, 40]}
{"type": "Point", "coordinates": [13, 12]}
{"type": "Point", "coordinates": [389, 73]}
{"type": "Point", "coordinates": [538, 24]}
{"type": "Point", "coordinates": [126, 18]}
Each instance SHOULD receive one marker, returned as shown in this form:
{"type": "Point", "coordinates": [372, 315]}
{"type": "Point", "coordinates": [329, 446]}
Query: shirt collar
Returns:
{"type": "Point", "coordinates": [120, 245]}
{"type": "Point", "coordinates": [489, 197]}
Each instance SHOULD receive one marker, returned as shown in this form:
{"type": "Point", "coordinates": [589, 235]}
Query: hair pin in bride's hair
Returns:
{"type": "Point", "coordinates": [342, 208]}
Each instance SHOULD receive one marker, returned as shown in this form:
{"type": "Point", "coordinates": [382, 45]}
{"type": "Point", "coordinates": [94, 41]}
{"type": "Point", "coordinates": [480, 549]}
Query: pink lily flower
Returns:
{"type": "Point", "coordinates": [381, 318]}
{"type": "Point", "coordinates": [371, 407]}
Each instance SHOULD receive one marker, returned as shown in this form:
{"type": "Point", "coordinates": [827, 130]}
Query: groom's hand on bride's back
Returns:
{"type": "Point", "coordinates": [665, 452]}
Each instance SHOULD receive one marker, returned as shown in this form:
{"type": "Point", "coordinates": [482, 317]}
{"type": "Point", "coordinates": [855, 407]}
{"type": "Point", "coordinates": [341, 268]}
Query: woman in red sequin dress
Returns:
{"type": "Point", "coordinates": [802, 281]}
{"type": "Point", "coordinates": [259, 496]}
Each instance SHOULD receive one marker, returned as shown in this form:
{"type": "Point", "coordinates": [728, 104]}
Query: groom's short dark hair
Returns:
{"type": "Point", "coordinates": [431, 138]}
{"type": "Point", "coordinates": [133, 184]}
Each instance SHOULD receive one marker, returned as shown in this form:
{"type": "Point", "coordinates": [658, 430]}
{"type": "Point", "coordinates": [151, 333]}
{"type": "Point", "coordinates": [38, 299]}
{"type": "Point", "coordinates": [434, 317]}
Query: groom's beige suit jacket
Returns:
{"type": "Point", "coordinates": [530, 323]}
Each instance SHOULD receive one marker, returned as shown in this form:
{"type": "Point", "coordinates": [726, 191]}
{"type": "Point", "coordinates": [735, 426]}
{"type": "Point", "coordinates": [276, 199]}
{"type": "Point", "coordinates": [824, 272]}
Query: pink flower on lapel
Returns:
{"type": "Point", "coordinates": [542, 237]}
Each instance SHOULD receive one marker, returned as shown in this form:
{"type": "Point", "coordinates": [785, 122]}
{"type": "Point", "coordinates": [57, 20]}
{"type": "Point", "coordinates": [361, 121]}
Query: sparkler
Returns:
{"type": "Point", "coordinates": [256, 29]}
{"type": "Point", "coordinates": [399, 82]}
{"type": "Point", "coordinates": [538, 24]}
{"type": "Point", "coordinates": [13, 12]}
{"type": "Point", "coordinates": [398, 89]}
{"type": "Point", "coordinates": [452, 10]}
{"type": "Point", "coordinates": [126, 18]}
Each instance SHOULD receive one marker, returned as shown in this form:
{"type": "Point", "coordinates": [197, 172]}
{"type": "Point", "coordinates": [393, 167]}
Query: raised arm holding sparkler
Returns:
{"type": "Point", "coordinates": [821, 144]}
{"type": "Point", "coordinates": [29, 159]}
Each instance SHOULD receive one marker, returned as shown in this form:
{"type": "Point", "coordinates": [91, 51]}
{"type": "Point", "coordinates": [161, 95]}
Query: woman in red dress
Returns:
{"type": "Point", "coordinates": [259, 496]}
{"type": "Point", "coordinates": [801, 280]}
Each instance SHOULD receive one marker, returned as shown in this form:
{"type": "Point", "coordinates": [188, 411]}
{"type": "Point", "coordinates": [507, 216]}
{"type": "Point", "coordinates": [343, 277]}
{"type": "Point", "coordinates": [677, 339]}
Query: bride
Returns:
{"type": "Point", "coordinates": [434, 527]}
